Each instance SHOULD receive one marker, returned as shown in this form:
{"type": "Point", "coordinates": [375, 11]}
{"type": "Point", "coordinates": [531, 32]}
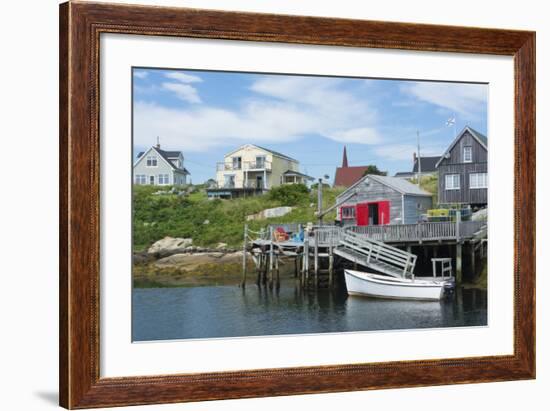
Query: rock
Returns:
{"type": "Point", "coordinates": [169, 246]}
{"type": "Point", "coordinates": [141, 258]}
{"type": "Point", "coordinates": [221, 246]}
{"type": "Point", "coordinates": [235, 257]}
{"type": "Point", "coordinates": [269, 213]}
{"type": "Point", "coordinates": [206, 222]}
{"type": "Point", "coordinates": [190, 261]}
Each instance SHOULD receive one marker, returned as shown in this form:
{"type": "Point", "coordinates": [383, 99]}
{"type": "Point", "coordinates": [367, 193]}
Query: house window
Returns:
{"type": "Point", "coordinates": [141, 179]}
{"type": "Point", "coordinates": [467, 154]}
{"type": "Point", "coordinates": [229, 181]}
{"type": "Point", "coordinates": [260, 162]}
{"type": "Point", "coordinates": [478, 180]}
{"type": "Point", "coordinates": [237, 163]}
{"type": "Point", "coordinates": [348, 213]}
{"type": "Point", "coordinates": [164, 179]}
{"type": "Point", "coordinates": [452, 182]}
{"type": "Point", "coordinates": [151, 161]}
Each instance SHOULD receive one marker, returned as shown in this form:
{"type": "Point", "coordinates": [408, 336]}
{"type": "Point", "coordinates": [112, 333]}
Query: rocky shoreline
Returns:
{"type": "Point", "coordinates": [176, 262]}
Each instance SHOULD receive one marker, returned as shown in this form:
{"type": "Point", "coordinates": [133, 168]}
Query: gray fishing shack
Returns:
{"type": "Point", "coordinates": [382, 200]}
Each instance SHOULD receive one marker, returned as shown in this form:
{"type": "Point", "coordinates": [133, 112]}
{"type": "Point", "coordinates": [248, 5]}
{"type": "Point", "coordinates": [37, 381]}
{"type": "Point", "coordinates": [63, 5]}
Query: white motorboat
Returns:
{"type": "Point", "coordinates": [384, 286]}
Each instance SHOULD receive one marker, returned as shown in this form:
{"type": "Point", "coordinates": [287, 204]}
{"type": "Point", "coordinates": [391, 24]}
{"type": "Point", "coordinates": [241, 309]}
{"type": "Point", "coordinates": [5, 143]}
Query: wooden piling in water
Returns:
{"type": "Point", "coordinates": [316, 258]}
{"type": "Point", "coordinates": [330, 267]}
{"type": "Point", "coordinates": [243, 282]}
{"type": "Point", "coordinates": [306, 261]}
{"type": "Point", "coordinates": [270, 256]}
{"type": "Point", "coordinates": [459, 262]}
{"type": "Point", "coordinates": [473, 259]}
{"type": "Point", "coordinates": [278, 283]}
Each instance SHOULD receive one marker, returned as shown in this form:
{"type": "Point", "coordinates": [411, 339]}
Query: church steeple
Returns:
{"type": "Point", "coordinates": [345, 159]}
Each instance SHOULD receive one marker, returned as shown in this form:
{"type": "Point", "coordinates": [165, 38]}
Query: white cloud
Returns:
{"type": "Point", "coordinates": [468, 100]}
{"type": "Point", "coordinates": [362, 135]}
{"type": "Point", "coordinates": [184, 92]}
{"type": "Point", "coordinates": [183, 77]}
{"type": "Point", "coordinates": [140, 74]}
{"type": "Point", "coordinates": [402, 152]}
{"type": "Point", "coordinates": [279, 109]}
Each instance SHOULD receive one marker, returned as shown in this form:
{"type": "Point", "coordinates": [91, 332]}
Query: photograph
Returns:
{"type": "Point", "coordinates": [268, 204]}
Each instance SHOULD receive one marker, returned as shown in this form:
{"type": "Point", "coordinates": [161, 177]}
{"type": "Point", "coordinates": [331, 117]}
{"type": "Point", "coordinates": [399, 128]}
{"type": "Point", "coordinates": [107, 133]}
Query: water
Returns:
{"type": "Point", "coordinates": [228, 311]}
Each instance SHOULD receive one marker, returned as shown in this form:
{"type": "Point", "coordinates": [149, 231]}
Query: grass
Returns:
{"type": "Point", "coordinates": [209, 222]}
{"type": "Point", "coordinates": [429, 183]}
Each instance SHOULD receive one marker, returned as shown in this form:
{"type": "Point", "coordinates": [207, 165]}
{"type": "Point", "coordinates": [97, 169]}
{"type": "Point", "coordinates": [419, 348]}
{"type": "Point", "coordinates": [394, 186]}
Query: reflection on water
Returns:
{"type": "Point", "coordinates": [227, 311]}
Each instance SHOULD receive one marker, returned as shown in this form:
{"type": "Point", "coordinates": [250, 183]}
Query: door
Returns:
{"type": "Point", "coordinates": [259, 182]}
{"type": "Point", "coordinates": [152, 180]}
{"type": "Point", "coordinates": [362, 214]}
{"type": "Point", "coordinates": [384, 212]}
{"type": "Point", "coordinates": [373, 214]}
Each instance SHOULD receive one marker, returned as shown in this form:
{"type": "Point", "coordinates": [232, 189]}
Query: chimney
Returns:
{"type": "Point", "coordinates": [345, 159]}
{"type": "Point", "coordinates": [414, 157]}
{"type": "Point", "coordinates": [158, 142]}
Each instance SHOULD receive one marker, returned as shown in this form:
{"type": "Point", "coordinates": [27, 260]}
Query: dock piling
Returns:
{"type": "Point", "coordinates": [243, 282]}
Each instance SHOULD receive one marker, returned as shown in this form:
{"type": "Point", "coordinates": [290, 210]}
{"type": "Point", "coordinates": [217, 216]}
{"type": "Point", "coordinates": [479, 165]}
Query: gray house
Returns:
{"type": "Point", "coordinates": [381, 200]}
{"type": "Point", "coordinates": [463, 170]}
{"type": "Point", "coordinates": [159, 167]}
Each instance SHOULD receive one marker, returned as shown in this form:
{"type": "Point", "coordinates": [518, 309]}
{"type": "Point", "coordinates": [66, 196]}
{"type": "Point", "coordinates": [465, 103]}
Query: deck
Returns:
{"type": "Point", "coordinates": [374, 247]}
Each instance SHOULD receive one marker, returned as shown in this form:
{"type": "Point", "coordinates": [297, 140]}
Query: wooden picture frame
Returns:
{"type": "Point", "coordinates": [80, 27]}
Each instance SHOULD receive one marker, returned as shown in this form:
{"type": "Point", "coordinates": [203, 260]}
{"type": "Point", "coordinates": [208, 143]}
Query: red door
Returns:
{"type": "Point", "coordinates": [362, 214]}
{"type": "Point", "coordinates": [383, 212]}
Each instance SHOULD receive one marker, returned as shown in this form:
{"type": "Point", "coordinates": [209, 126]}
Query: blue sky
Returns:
{"type": "Point", "coordinates": [207, 113]}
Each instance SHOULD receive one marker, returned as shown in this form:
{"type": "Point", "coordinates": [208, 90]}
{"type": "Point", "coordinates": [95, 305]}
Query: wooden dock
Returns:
{"type": "Point", "coordinates": [323, 249]}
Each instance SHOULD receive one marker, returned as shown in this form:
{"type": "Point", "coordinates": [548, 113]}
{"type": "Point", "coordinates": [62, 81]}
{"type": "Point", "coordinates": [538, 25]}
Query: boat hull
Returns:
{"type": "Point", "coordinates": [380, 286]}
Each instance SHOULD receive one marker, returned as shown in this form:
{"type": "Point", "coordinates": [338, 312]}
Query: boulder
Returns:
{"type": "Point", "coordinates": [269, 213]}
{"type": "Point", "coordinates": [190, 261]}
{"type": "Point", "coordinates": [141, 258]}
{"type": "Point", "coordinates": [169, 246]}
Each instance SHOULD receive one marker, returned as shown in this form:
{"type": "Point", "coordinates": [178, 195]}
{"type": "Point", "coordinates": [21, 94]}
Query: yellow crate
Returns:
{"type": "Point", "coordinates": [438, 212]}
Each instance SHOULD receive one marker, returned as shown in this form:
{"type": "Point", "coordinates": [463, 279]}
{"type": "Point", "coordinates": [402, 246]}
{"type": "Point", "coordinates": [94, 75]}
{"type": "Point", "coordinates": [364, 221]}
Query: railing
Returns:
{"type": "Point", "coordinates": [245, 165]}
{"type": "Point", "coordinates": [377, 251]}
{"type": "Point", "coordinates": [328, 236]}
{"type": "Point", "coordinates": [257, 165]}
{"type": "Point", "coordinates": [420, 232]}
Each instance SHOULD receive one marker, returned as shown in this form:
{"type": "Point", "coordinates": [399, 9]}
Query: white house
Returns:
{"type": "Point", "coordinates": [159, 167]}
{"type": "Point", "coordinates": [251, 169]}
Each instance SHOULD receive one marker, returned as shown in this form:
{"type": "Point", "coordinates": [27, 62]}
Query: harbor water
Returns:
{"type": "Point", "coordinates": [229, 311]}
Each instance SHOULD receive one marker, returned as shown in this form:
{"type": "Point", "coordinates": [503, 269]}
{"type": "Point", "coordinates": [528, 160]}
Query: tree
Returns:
{"type": "Point", "coordinates": [372, 169]}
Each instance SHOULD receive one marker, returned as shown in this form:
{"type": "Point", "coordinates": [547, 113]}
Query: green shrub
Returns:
{"type": "Point", "coordinates": [289, 194]}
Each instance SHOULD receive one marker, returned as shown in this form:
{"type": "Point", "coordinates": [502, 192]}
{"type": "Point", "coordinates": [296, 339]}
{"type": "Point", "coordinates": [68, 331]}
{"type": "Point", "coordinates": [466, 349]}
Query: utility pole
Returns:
{"type": "Point", "coordinates": [419, 169]}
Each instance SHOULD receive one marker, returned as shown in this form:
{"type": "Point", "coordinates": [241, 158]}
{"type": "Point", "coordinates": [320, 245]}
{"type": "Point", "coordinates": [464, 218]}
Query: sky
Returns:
{"type": "Point", "coordinates": [206, 114]}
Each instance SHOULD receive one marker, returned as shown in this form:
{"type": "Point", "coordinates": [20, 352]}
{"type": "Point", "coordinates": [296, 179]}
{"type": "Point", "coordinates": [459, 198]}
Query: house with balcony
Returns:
{"type": "Point", "coordinates": [252, 170]}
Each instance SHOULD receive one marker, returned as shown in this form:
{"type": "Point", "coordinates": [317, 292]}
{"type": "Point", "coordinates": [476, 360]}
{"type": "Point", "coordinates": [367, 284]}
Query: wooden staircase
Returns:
{"type": "Point", "coordinates": [376, 255]}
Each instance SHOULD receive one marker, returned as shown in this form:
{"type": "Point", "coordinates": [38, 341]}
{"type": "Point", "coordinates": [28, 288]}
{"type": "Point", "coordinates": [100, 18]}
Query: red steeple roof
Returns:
{"type": "Point", "coordinates": [345, 159]}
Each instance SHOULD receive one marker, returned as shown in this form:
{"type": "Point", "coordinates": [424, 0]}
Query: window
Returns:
{"type": "Point", "coordinates": [164, 179]}
{"type": "Point", "coordinates": [478, 180]}
{"type": "Point", "coordinates": [260, 162]}
{"type": "Point", "coordinates": [467, 157]}
{"type": "Point", "coordinates": [140, 179]}
{"type": "Point", "coordinates": [151, 161]}
{"type": "Point", "coordinates": [348, 213]}
{"type": "Point", "coordinates": [237, 163]}
{"type": "Point", "coordinates": [229, 181]}
{"type": "Point", "coordinates": [452, 182]}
